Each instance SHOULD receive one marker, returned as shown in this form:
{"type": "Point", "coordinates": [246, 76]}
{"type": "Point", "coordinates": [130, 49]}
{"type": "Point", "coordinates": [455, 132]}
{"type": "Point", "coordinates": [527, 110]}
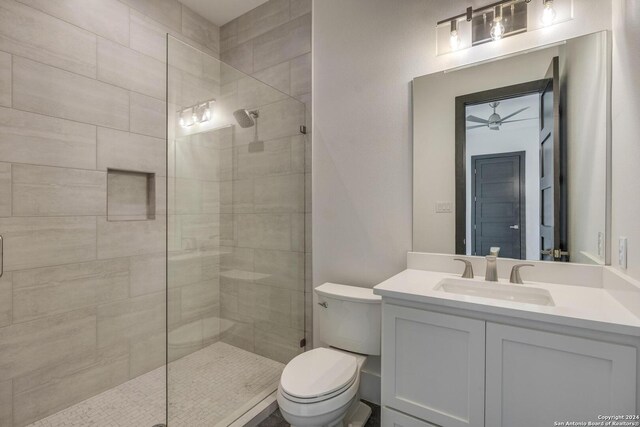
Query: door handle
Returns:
{"type": "Point", "coordinates": [514, 227]}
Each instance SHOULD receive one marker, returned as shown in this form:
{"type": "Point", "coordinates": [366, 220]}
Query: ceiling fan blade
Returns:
{"type": "Point", "coordinates": [476, 126]}
{"type": "Point", "coordinates": [519, 120]}
{"type": "Point", "coordinates": [477, 119]}
{"type": "Point", "coordinates": [512, 114]}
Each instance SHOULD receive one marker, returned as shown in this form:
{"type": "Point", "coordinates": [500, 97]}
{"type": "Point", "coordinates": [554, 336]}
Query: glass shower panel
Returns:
{"type": "Point", "coordinates": [236, 238]}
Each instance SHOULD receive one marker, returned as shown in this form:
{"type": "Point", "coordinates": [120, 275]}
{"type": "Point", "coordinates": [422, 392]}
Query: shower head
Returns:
{"type": "Point", "coordinates": [245, 118]}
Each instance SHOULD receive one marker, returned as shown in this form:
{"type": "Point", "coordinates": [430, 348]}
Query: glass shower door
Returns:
{"type": "Point", "coordinates": [236, 238]}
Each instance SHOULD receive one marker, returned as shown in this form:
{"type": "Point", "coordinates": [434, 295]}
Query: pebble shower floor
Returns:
{"type": "Point", "coordinates": [207, 388]}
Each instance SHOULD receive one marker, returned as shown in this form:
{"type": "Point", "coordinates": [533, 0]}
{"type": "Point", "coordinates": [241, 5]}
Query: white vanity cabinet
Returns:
{"type": "Point", "coordinates": [544, 377]}
{"type": "Point", "coordinates": [452, 371]}
{"type": "Point", "coordinates": [433, 366]}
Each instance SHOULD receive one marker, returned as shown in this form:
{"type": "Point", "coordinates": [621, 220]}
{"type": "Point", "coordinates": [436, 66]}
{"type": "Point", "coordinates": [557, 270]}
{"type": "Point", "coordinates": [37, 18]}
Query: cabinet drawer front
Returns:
{"type": "Point", "coordinates": [391, 418]}
{"type": "Point", "coordinates": [542, 377]}
{"type": "Point", "coordinates": [433, 366]}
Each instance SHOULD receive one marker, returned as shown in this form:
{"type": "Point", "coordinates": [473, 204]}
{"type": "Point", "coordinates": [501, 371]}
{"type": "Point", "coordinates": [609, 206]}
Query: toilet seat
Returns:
{"type": "Point", "coordinates": [318, 375]}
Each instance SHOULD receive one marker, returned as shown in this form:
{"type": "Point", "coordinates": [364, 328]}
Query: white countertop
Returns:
{"type": "Point", "coordinates": [577, 306]}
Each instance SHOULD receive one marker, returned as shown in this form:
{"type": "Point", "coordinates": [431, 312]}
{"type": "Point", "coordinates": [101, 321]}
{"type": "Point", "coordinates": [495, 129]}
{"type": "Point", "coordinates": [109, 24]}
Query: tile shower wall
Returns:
{"type": "Point", "coordinates": [270, 193]}
{"type": "Point", "coordinates": [82, 299]}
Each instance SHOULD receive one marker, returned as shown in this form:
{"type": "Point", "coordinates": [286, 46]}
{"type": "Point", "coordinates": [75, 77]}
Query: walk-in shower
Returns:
{"type": "Point", "coordinates": [235, 240]}
{"type": "Point", "coordinates": [192, 301]}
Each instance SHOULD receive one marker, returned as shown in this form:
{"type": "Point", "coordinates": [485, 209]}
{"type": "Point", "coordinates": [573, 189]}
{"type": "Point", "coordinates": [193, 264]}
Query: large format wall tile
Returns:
{"type": "Point", "coordinates": [25, 347]}
{"type": "Point", "coordinates": [241, 57]}
{"type": "Point", "coordinates": [109, 19]}
{"type": "Point", "coordinates": [133, 318]}
{"type": "Point", "coordinates": [147, 353]}
{"type": "Point", "coordinates": [266, 231]}
{"type": "Point", "coordinates": [300, 7]}
{"type": "Point", "coordinates": [5, 79]}
{"type": "Point", "coordinates": [6, 403]}
{"type": "Point", "coordinates": [107, 369]}
{"type": "Point", "coordinates": [147, 37]}
{"type": "Point", "coordinates": [5, 189]}
{"type": "Point", "coordinates": [130, 69]}
{"type": "Point", "coordinates": [50, 191]}
{"type": "Point", "coordinates": [282, 43]}
{"type": "Point", "coordinates": [148, 115]}
{"type": "Point", "coordinates": [199, 29]}
{"type": "Point", "coordinates": [300, 75]}
{"type": "Point", "coordinates": [51, 290]}
{"type": "Point", "coordinates": [41, 140]}
{"type": "Point", "coordinates": [199, 300]}
{"type": "Point", "coordinates": [42, 89]}
{"type": "Point", "coordinates": [124, 238]}
{"type": "Point", "coordinates": [30, 33]}
{"type": "Point", "coordinates": [263, 18]}
{"type": "Point", "coordinates": [281, 193]}
{"type": "Point", "coordinates": [132, 152]}
{"type": "Point", "coordinates": [166, 12]}
{"type": "Point", "coordinates": [31, 242]}
{"type": "Point", "coordinates": [147, 274]}
{"type": "Point", "coordinates": [5, 300]}
{"type": "Point", "coordinates": [282, 269]}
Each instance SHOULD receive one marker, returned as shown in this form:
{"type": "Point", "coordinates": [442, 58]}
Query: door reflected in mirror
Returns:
{"type": "Point", "coordinates": [520, 146]}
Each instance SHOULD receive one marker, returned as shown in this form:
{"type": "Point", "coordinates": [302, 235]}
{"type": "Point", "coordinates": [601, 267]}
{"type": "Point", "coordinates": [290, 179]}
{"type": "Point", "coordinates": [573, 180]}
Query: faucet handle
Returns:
{"type": "Point", "coordinates": [468, 268]}
{"type": "Point", "coordinates": [515, 273]}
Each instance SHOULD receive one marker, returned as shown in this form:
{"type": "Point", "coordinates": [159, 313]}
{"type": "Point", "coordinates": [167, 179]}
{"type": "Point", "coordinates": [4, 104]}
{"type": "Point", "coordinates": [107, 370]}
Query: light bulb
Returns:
{"type": "Point", "coordinates": [549, 13]}
{"type": "Point", "coordinates": [182, 121]}
{"type": "Point", "coordinates": [497, 29]}
{"type": "Point", "coordinates": [207, 112]}
{"type": "Point", "coordinates": [454, 39]}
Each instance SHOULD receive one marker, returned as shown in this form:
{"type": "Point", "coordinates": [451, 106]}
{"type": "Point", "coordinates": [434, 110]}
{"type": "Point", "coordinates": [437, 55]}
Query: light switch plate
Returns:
{"type": "Point", "coordinates": [622, 252]}
{"type": "Point", "coordinates": [444, 207]}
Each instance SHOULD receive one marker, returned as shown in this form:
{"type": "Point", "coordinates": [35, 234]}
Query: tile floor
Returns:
{"type": "Point", "coordinates": [276, 420]}
{"type": "Point", "coordinates": [209, 387]}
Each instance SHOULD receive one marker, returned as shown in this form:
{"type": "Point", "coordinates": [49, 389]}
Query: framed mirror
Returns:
{"type": "Point", "coordinates": [512, 156]}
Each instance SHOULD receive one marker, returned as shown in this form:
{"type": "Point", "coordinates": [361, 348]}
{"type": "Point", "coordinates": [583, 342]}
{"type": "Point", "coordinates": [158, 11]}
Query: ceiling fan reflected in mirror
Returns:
{"type": "Point", "coordinates": [495, 121]}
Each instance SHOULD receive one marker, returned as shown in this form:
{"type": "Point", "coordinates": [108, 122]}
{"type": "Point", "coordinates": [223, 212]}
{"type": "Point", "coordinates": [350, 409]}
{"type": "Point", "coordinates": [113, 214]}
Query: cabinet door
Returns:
{"type": "Point", "coordinates": [535, 378]}
{"type": "Point", "coordinates": [433, 366]}
{"type": "Point", "coordinates": [391, 418]}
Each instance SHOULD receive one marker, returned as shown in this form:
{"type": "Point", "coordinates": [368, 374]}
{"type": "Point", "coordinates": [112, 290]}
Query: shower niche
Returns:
{"type": "Point", "coordinates": [131, 196]}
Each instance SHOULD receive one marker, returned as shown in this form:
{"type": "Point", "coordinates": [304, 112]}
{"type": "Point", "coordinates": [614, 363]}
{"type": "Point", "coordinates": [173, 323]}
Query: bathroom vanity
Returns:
{"type": "Point", "coordinates": [465, 352]}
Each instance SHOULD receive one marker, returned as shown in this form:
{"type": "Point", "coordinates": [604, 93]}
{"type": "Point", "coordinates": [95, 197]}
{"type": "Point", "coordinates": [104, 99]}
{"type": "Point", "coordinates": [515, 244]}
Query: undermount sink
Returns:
{"type": "Point", "coordinates": [510, 292]}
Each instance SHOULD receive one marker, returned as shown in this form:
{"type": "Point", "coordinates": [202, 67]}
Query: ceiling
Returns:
{"type": "Point", "coordinates": [222, 11]}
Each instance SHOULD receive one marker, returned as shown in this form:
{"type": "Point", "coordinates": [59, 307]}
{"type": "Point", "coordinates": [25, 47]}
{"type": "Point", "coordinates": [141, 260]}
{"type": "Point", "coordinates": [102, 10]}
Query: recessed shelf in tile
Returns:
{"type": "Point", "coordinates": [130, 195]}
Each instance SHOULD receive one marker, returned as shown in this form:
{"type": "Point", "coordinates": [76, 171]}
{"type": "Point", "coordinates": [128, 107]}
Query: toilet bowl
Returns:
{"type": "Point", "coordinates": [321, 387]}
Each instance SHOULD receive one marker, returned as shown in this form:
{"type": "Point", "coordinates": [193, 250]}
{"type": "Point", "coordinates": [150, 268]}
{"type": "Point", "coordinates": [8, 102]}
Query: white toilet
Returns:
{"type": "Point", "coordinates": [320, 387]}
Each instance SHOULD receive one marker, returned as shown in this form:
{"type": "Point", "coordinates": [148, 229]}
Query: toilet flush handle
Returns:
{"type": "Point", "coordinates": [323, 304]}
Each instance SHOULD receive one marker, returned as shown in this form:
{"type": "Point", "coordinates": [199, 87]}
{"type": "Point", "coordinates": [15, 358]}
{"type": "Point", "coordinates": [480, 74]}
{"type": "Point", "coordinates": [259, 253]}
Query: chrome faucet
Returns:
{"type": "Point", "coordinates": [491, 274]}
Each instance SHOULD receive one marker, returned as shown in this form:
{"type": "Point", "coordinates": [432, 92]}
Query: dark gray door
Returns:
{"type": "Point", "coordinates": [498, 202]}
{"type": "Point", "coordinates": [552, 212]}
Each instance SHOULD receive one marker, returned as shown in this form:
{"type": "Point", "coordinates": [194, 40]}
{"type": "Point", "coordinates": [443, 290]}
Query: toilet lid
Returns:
{"type": "Point", "coordinates": [318, 372]}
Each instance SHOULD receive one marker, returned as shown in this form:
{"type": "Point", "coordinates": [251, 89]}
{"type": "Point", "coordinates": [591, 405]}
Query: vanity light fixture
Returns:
{"type": "Point", "coordinates": [548, 13]}
{"type": "Point", "coordinates": [201, 112]}
{"type": "Point", "coordinates": [497, 27]}
{"type": "Point", "coordinates": [495, 21]}
{"type": "Point", "coordinates": [454, 39]}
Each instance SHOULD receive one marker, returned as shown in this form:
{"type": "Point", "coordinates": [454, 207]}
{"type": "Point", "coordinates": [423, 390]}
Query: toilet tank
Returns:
{"type": "Point", "coordinates": [349, 318]}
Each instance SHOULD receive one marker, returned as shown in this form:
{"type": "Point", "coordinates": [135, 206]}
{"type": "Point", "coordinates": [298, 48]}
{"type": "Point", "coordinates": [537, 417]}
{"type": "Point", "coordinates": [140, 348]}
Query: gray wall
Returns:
{"type": "Point", "coordinates": [273, 44]}
{"type": "Point", "coordinates": [82, 89]}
